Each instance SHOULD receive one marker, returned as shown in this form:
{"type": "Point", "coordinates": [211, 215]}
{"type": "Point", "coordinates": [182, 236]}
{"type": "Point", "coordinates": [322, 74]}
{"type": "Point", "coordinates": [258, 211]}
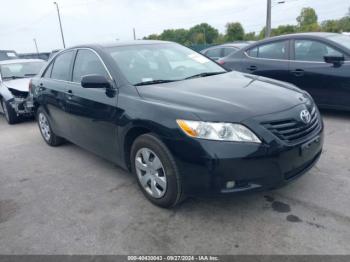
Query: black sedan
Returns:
{"type": "Point", "coordinates": [180, 122]}
{"type": "Point", "coordinates": [316, 62]}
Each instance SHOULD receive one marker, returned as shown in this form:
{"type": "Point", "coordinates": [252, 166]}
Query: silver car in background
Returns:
{"type": "Point", "coordinates": [15, 78]}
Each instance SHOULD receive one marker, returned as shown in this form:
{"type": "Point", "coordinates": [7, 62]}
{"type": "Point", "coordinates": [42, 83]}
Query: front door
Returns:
{"type": "Point", "coordinates": [93, 112]}
{"type": "Point", "coordinates": [329, 85]}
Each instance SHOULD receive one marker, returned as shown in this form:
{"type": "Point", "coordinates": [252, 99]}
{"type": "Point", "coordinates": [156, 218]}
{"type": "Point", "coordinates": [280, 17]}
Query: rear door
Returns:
{"type": "Point", "coordinates": [268, 60]}
{"type": "Point", "coordinates": [52, 90]}
{"type": "Point", "coordinates": [329, 85]}
{"type": "Point", "coordinates": [93, 112]}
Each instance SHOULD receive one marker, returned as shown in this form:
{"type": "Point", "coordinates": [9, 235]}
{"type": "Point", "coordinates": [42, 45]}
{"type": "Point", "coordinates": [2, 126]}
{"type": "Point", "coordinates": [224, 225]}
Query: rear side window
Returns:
{"type": "Point", "coordinates": [229, 50]}
{"type": "Point", "coordinates": [309, 50]}
{"type": "Point", "coordinates": [216, 52]}
{"type": "Point", "coordinates": [87, 63]}
{"type": "Point", "coordinates": [61, 66]}
{"type": "Point", "coordinates": [276, 50]}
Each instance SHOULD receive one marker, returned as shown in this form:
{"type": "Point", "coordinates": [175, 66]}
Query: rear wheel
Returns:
{"type": "Point", "coordinates": [156, 171]}
{"type": "Point", "coordinates": [46, 131]}
{"type": "Point", "coordinates": [10, 114]}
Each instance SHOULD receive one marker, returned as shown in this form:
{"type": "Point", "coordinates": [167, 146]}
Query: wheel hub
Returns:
{"type": "Point", "coordinates": [150, 172]}
{"type": "Point", "coordinates": [44, 126]}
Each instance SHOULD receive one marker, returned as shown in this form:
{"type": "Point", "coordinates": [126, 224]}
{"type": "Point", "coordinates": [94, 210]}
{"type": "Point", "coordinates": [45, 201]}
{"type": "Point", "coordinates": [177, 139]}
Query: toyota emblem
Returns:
{"type": "Point", "coordinates": [305, 116]}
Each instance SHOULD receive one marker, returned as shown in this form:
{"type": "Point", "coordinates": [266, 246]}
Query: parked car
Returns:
{"type": "Point", "coordinates": [14, 87]}
{"type": "Point", "coordinates": [316, 62]}
{"type": "Point", "coordinates": [220, 51]}
{"type": "Point", "coordinates": [179, 121]}
{"type": "Point", "coordinates": [8, 54]}
{"type": "Point", "coordinates": [42, 55]}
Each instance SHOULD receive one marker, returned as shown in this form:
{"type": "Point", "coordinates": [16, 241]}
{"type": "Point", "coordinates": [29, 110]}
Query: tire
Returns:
{"type": "Point", "coordinates": [10, 114]}
{"type": "Point", "coordinates": [164, 196]}
{"type": "Point", "coordinates": [45, 129]}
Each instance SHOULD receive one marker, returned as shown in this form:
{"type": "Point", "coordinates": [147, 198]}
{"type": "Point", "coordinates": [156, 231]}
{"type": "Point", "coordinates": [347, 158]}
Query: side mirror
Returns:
{"type": "Point", "coordinates": [95, 81]}
{"type": "Point", "coordinates": [335, 60]}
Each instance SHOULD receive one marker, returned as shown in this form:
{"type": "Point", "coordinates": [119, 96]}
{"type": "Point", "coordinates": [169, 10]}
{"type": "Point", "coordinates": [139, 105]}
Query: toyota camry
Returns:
{"type": "Point", "coordinates": [178, 121]}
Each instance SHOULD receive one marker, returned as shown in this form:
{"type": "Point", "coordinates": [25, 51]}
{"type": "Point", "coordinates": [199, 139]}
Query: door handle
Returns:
{"type": "Point", "coordinates": [298, 72]}
{"type": "Point", "coordinates": [69, 94]}
{"type": "Point", "coordinates": [252, 68]}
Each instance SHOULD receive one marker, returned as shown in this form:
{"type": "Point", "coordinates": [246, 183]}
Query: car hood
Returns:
{"type": "Point", "coordinates": [226, 97]}
{"type": "Point", "coordinates": [18, 84]}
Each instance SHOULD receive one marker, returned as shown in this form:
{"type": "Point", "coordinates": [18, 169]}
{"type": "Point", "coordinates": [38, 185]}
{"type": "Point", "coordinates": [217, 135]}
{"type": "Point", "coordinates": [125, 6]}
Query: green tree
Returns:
{"type": "Point", "coordinates": [234, 31]}
{"type": "Point", "coordinates": [203, 33]}
{"type": "Point", "coordinates": [151, 37]}
{"type": "Point", "coordinates": [284, 29]}
{"type": "Point", "coordinates": [174, 35]}
{"type": "Point", "coordinates": [331, 26]}
{"type": "Point", "coordinates": [307, 20]}
{"type": "Point", "coordinates": [250, 36]}
{"type": "Point", "coordinates": [344, 24]}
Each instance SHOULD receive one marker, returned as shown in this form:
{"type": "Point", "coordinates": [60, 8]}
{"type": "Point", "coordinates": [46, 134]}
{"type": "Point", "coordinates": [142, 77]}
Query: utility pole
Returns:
{"type": "Point", "coordinates": [36, 46]}
{"type": "Point", "coordinates": [59, 20]}
{"type": "Point", "coordinates": [134, 31]}
{"type": "Point", "coordinates": [268, 19]}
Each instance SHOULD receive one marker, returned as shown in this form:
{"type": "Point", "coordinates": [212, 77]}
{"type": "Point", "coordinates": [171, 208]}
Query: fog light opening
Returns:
{"type": "Point", "coordinates": [230, 184]}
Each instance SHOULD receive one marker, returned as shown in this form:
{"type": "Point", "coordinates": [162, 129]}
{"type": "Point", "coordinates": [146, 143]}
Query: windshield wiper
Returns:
{"type": "Point", "coordinates": [206, 74]}
{"type": "Point", "coordinates": [30, 74]}
{"type": "Point", "coordinates": [153, 82]}
{"type": "Point", "coordinates": [14, 77]}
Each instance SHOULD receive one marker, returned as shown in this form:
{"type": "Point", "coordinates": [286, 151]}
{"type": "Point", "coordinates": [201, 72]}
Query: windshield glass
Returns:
{"type": "Point", "coordinates": [20, 70]}
{"type": "Point", "coordinates": [343, 40]}
{"type": "Point", "coordinates": [166, 62]}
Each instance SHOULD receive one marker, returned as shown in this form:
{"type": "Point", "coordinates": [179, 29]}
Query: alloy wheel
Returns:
{"type": "Point", "coordinates": [150, 172]}
{"type": "Point", "coordinates": [44, 126]}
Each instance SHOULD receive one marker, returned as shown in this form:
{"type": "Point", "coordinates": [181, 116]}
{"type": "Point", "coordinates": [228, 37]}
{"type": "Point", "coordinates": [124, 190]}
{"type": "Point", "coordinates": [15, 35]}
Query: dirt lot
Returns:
{"type": "Point", "coordinates": [67, 201]}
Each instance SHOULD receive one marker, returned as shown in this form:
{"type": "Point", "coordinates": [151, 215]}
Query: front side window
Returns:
{"type": "Point", "coordinates": [170, 62]}
{"type": "Point", "coordinates": [61, 66]}
{"type": "Point", "coordinates": [309, 50]}
{"type": "Point", "coordinates": [87, 63]}
{"type": "Point", "coordinates": [20, 70]}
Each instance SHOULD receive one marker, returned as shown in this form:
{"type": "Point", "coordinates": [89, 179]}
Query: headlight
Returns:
{"type": "Point", "coordinates": [218, 131]}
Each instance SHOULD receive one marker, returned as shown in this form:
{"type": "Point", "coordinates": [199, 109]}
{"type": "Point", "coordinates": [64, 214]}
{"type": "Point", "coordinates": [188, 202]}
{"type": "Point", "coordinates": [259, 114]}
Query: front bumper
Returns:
{"type": "Point", "coordinates": [22, 106]}
{"type": "Point", "coordinates": [206, 166]}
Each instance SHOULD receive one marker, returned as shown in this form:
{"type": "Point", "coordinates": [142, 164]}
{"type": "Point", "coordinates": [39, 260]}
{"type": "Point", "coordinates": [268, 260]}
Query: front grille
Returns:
{"type": "Point", "coordinates": [293, 131]}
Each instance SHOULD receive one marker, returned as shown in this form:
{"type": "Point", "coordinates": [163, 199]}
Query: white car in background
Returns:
{"type": "Point", "coordinates": [15, 75]}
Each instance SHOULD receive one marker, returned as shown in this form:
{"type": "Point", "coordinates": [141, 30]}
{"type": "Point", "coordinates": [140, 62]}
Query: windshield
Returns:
{"type": "Point", "coordinates": [343, 40]}
{"type": "Point", "coordinates": [20, 70]}
{"type": "Point", "coordinates": [154, 63]}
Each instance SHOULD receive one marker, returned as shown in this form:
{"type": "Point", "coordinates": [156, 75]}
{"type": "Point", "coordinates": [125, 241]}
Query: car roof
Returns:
{"type": "Point", "coordinates": [15, 61]}
{"type": "Point", "coordinates": [124, 43]}
{"type": "Point", "coordinates": [288, 36]}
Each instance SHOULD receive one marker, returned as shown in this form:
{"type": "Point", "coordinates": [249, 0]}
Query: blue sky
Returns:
{"type": "Point", "coordinates": [87, 21]}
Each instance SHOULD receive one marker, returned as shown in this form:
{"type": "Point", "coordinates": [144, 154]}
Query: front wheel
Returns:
{"type": "Point", "coordinates": [156, 171]}
{"type": "Point", "coordinates": [45, 129]}
{"type": "Point", "coordinates": [10, 114]}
